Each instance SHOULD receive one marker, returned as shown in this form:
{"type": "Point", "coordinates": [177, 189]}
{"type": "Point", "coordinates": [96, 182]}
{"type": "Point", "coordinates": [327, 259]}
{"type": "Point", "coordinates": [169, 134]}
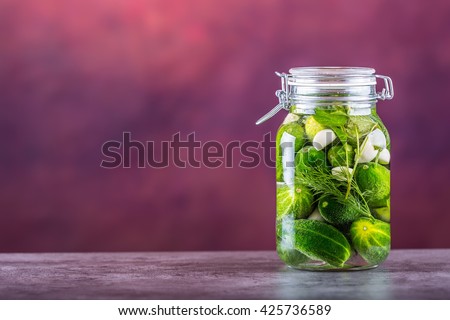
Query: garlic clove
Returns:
{"type": "Point", "coordinates": [341, 173]}
{"type": "Point", "coordinates": [315, 215]}
{"type": "Point", "coordinates": [378, 139]}
{"type": "Point", "coordinates": [384, 157]}
{"type": "Point", "coordinates": [368, 153]}
{"type": "Point", "coordinates": [291, 117]}
{"type": "Point", "coordinates": [323, 138]}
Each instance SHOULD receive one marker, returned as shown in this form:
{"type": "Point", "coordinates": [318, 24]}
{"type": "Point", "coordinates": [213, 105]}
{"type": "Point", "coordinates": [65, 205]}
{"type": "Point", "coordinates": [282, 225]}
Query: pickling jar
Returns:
{"type": "Point", "coordinates": [332, 169]}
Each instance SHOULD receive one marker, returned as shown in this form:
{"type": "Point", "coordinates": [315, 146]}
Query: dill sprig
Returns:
{"type": "Point", "coordinates": [322, 183]}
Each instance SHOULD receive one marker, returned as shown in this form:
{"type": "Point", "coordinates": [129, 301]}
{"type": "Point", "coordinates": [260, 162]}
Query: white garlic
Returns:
{"type": "Point", "coordinates": [291, 117]}
{"type": "Point", "coordinates": [323, 138]}
{"type": "Point", "coordinates": [315, 215]}
{"type": "Point", "coordinates": [341, 173]}
{"type": "Point", "coordinates": [384, 157]}
{"type": "Point", "coordinates": [377, 138]}
{"type": "Point", "coordinates": [368, 153]}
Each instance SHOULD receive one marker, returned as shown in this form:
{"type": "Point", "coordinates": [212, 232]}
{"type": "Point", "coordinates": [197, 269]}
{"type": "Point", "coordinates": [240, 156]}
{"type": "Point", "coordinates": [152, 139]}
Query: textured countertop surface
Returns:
{"type": "Point", "coordinates": [407, 274]}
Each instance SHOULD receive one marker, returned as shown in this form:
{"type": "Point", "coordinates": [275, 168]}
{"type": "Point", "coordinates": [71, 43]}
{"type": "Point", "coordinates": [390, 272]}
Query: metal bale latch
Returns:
{"type": "Point", "coordinates": [282, 98]}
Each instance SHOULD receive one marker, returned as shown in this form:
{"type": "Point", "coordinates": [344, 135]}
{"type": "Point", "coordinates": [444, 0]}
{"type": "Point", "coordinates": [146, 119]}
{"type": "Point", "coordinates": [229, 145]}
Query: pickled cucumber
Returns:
{"type": "Point", "coordinates": [312, 127]}
{"type": "Point", "coordinates": [337, 213]}
{"type": "Point", "coordinates": [321, 241]}
{"type": "Point", "coordinates": [285, 242]}
{"type": "Point", "coordinates": [374, 180]}
{"type": "Point", "coordinates": [383, 213]}
{"type": "Point", "coordinates": [295, 129]}
{"type": "Point", "coordinates": [291, 256]}
{"type": "Point", "coordinates": [371, 239]}
{"type": "Point", "coordinates": [279, 168]}
{"type": "Point", "coordinates": [295, 201]}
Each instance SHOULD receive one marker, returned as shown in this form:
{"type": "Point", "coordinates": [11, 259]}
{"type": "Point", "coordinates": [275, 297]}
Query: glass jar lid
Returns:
{"type": "Point", "coordinates": [316, 86]}
{"type": "Point", "coordinates": [332, 76]}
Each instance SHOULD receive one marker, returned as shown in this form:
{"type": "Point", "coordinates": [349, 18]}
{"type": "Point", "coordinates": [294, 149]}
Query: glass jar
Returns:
{"type": "Point", "coordinates": [332, 169]}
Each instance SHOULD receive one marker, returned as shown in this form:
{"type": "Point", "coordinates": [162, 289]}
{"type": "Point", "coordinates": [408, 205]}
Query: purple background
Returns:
{"type": "Point", "coordinates": [74, 74]}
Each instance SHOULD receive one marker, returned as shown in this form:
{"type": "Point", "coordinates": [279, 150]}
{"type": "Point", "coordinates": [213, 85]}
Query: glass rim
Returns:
{"type": "Point", "coordinates": [330, 71]}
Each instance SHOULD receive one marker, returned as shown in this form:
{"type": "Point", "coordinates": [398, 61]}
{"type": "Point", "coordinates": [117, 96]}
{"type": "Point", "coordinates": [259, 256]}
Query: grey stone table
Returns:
{"type": "Point", "coordinates": [407, 274]}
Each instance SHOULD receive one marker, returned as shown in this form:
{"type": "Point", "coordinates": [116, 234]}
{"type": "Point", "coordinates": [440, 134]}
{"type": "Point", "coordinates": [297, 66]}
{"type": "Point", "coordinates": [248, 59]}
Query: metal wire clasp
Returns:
{"type": "Point", "coordinates": [387, 93]}
{"type": "Point", "coordinates": [283, 98]}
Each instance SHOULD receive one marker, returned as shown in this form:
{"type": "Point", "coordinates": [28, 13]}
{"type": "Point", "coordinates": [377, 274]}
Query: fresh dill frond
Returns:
{"type": "Point", "coordinates": [320, 181]}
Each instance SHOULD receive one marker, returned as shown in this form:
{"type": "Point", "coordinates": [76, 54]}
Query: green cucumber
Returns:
{"type": "Point", "coordinates": [383, 214]}
{"type": "Point", "coordinates": [336, 213]}
{"type": "Point", "coordinates": [372, 239]}
{"type": "Point", "coordinates": [296, 201]}
{"type": "Point", "coordinates": [374, 180]}
{"type": "Point", "coordinates": [320, 241]}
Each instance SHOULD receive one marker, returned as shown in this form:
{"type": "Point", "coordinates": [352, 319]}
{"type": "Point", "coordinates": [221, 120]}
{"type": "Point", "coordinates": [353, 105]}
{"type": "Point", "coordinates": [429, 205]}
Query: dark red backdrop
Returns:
{"type": "Point", "coordinates": [74, 74]}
